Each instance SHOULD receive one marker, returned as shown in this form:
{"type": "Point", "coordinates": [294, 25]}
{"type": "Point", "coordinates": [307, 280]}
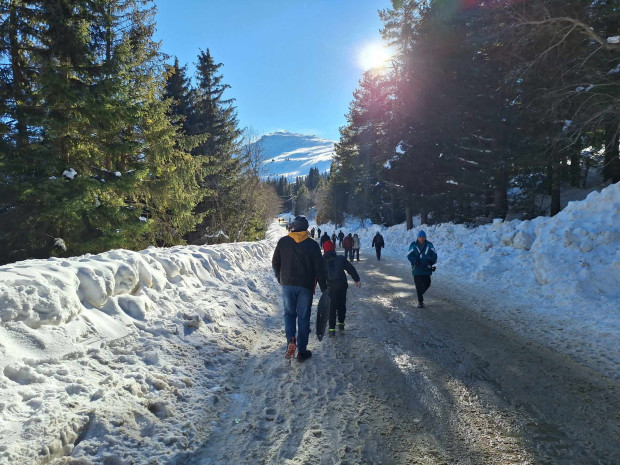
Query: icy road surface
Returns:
{"type": "Point", "coordinates": [403, 385]}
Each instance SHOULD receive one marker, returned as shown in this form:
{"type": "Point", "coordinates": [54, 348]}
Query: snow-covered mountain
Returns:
{"type": "Point", "coordinates": [288, 154]}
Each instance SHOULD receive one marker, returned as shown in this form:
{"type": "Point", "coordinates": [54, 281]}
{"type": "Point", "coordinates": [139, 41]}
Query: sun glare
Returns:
{"type": "Point", "coordinates": [374, 55]}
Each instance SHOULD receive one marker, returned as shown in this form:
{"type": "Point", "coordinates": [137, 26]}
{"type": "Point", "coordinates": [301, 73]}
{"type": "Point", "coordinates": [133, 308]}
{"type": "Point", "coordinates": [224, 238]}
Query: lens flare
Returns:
{"type": "Point", "coordinates": [373, 55]}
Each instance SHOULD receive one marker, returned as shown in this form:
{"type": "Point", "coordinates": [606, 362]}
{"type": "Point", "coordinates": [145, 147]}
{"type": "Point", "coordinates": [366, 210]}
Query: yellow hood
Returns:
{"type": "Point", "coordinates": [299, 236]}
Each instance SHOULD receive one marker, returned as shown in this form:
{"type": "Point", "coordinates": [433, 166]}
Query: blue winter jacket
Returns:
{"type": "Point", "coordinates": [422, 258]}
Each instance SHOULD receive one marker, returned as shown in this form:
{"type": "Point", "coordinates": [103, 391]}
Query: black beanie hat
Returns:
{"type": "Point", "coordinates": [300, 223]}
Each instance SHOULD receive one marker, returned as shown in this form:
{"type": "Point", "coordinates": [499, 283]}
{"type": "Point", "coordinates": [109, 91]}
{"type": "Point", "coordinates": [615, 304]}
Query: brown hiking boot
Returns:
{"type": "Point", "coordinates": [291, 348]}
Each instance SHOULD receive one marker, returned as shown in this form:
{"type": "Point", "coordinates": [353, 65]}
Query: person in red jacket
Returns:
{"type": "Point", "coordinates": [347, 244]}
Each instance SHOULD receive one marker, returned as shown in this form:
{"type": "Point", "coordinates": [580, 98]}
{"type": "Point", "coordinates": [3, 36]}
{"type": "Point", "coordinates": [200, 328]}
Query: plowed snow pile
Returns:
{"type": "Point", "coordinates": [124, 353]}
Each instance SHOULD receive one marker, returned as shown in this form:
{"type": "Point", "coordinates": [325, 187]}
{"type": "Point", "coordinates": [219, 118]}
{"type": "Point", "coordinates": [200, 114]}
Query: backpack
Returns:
{"type": "Point", "coordinates": [332, 269]}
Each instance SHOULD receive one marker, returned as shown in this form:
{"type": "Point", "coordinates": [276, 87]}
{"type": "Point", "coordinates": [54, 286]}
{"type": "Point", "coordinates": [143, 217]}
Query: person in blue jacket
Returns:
{"type": "Point", "coordinates": [422, 256]}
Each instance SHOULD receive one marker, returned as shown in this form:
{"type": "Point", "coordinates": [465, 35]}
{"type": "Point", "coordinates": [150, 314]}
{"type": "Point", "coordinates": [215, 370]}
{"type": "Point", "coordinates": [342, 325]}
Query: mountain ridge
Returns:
{"type": "Point", "coordinates": [291, 154]}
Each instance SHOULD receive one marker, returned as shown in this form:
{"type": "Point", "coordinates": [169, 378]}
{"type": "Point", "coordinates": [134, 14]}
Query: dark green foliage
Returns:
{"type": "Point", "coordinates": [479, 98]}
{"type": "Point", "coordinates": [215, 117]}
{"type": "Point", "coordinates": [178, 90]}
{"type": "Point", "coordinates": [101, 145]}
{"type": "Point", "coordinates": [312, 180]}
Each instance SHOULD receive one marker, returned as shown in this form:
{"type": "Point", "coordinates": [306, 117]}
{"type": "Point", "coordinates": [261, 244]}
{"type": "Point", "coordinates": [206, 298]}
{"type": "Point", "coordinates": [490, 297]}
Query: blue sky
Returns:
{"type": "Point", "coordinates": [292, 64]}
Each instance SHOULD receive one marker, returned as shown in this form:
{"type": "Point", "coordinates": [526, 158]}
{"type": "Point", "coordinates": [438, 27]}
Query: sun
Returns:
{"type": "Point", "coordinates": [373, 55]}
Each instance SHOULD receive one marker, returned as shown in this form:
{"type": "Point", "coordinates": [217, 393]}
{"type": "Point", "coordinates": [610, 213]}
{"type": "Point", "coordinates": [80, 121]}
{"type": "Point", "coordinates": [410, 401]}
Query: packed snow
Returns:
{"type": "Point", "coordinates": [120, 357]}
{"type": "Point", "coordinates": [123, 356]}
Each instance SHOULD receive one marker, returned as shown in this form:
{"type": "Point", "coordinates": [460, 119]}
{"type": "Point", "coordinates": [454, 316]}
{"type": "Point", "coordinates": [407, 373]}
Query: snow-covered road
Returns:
{"type": "Point", "coordinates": [403, 385]}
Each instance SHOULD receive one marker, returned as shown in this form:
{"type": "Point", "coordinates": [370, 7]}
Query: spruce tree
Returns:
{"type": "Point", "coordinates": [215, 117]}
{"type": "Point", "coordinates": [108, 172]}
{"type": "Point", "coordinates": [178, 89]}
{"type": "Point", "coordinates": [20, 157]}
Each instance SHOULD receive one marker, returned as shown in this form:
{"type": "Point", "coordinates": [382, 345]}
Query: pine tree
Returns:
{"type": "Point", "coordinates": [178, 89]}
{"type": "Point", "coordinates": [20, 158]}
{"type": "Point", "coordinates": [216, 117]}
{"type": "Point", "coordinates": [312, 180]}
{"type": "Point", "coordinates": [564, 69]}
{"type": "Point", "coordinates": [108, 174]}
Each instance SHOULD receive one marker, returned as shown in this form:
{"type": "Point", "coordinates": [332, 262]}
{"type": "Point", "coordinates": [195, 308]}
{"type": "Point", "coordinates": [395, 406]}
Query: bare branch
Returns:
{"type": "Point", "coordinates": [577, 24]}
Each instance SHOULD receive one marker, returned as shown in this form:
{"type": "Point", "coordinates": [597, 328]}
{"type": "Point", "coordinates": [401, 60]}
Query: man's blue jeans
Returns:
{"type": "Point", "coordinates": [297, 305]}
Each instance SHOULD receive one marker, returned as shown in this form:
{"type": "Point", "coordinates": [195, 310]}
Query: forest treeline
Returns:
{"type": "Point", "coordinates": [300, 195]}
{"type": "Point", "coordinates": [105, 144]}
{"type": "Point", "coordinates": [486, 105]}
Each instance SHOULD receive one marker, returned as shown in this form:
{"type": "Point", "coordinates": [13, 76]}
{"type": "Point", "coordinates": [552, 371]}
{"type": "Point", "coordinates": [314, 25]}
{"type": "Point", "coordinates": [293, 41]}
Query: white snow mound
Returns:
{"type": "Point", "coordinates": [120, 357]}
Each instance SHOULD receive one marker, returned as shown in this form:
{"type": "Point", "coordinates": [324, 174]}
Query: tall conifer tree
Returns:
{"type": "Point", "coordinates": [216, 117]}
{"type": "Point", "coordinates": [109, 174]}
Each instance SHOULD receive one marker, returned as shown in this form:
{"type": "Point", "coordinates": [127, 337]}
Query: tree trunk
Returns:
{"type": "Point", "coordinates": [556, 177]}
{"type": "Point", "coordinates": [611, 168]}
{"type": "Point", "coordinates": [17, 69]}
{"type": "Point", "coordinates": [423, 216]}
{"type": "Point", "coordinates": [392, 207]}
{"type": "Point", "coordinates": [408, 216]}
{"type": "Point", "coordinates": [500, 194]}
{"type": "Point", "coordinates": [575, 169]}
{"type": "Point", "coordinates": [488, 202]}
{"type": "Point", "coordinates": [586, 171]}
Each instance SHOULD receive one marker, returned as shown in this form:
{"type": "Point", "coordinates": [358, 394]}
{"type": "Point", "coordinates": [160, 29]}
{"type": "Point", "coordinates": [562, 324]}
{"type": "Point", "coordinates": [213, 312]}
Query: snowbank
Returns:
{"type": "Point", "coordinates": [554, 279]}
{"type": "Point", "coordinates": [120, 356]}
{"type": "Point", "coordinates": [54, 291]}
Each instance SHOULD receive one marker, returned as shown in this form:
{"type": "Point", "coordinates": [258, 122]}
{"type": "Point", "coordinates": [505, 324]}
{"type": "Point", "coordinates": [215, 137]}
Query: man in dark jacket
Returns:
{"type": "Point", "coordinates": [298, 264]}
{"type": "Point", "coordinates": [422, 256]}
{"type": "Point", "coordinates": [312, 233]}
{"type": "Point", "coordinates": [337, 285]}
{"type": "Point", "coordinates": [347, 245]}
{"type": "Point", "coordinates": [324, 238]}
{"type": "Point", "coordinates": [378, 243]}
{"type": "Point", "coordinates": [340, 238]}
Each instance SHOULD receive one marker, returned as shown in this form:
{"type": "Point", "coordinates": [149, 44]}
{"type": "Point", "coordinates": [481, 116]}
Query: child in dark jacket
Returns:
{"type": "Point", "coordinates": [337, 284]}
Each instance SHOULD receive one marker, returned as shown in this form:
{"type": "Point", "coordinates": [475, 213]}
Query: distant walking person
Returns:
{"type": "Point", "coordinates": [312, 233]}
{"type": "Point", "coordinates": [337, 285]}
{"type": "Point", "coordinates": [340, 238]}
{"type": "Point", "coordinates": [324, 238]}
{"type": "Point", "coordinates": [298, 264]}
{"type": "Point", "coordinates": [318, 233]}
{"type": "Point", "coordinates": [347, 244]}
{"type": "Point", "coordinates": [422, 256]}
{"type": "Point", "coordinates": [334, 238]}
{"type": "Point", "coordinates": [378, 243]}
{"type": "Point", "coordinates": [356, 247]}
